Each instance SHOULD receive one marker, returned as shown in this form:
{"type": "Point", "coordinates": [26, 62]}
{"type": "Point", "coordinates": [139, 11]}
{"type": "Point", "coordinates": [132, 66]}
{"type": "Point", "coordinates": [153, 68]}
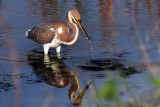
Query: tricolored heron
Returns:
{"type": "Point", "coordinates": [55, 33]}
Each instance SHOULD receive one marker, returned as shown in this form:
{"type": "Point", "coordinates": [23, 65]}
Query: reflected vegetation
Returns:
{"type": "Point", "coordinates": [107, 18]}
{"type": "Point", "coordinates": [45, 8]}
{"type": "Point", "coordinates": [53, 71]}
{"type": "Point", "coordinates": [106, 11]}
{"type": "Point", "coordinates": [1, 42]}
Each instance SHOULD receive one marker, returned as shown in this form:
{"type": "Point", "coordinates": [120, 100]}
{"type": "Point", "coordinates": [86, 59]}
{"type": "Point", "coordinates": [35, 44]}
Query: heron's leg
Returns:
{"type": "Point", "coordinates": [46, 58]}
{"type": "Point", "coordinates": [58, 49]}
{"type": "Point", "coordinates": [46, 48]}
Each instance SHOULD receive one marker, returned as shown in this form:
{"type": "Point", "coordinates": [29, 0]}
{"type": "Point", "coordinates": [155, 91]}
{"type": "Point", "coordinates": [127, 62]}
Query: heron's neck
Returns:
{"type": "Point", "coordinates": [75, 86]}
{"type": "Point", "coordinates": [71, 39]}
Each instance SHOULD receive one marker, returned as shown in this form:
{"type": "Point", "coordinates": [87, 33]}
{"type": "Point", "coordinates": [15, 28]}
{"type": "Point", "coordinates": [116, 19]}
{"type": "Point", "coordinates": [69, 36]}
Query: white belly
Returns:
{"type": "Point", "coordinates": [55, 43]}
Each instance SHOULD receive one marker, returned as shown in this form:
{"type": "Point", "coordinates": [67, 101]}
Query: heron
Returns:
{"type": "Point", "coordinates": [52, 34]}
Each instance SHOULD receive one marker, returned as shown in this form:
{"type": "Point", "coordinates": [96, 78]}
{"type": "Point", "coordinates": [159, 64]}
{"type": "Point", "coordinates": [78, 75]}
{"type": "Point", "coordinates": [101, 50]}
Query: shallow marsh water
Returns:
{"type": "Point", "coordinates": [118, 30]}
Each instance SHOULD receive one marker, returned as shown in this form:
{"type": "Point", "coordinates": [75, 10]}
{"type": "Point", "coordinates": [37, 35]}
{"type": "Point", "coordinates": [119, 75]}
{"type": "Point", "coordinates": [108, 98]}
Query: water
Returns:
{"type": "Point", "coordinates": [92, 50]}
{"type": "Point", "coordinates": [28, 78]}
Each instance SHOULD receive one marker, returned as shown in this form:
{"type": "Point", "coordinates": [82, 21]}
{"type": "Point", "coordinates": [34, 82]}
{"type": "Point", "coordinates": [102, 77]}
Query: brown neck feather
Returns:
{"type": "Point", "coordinates": [71, 39]}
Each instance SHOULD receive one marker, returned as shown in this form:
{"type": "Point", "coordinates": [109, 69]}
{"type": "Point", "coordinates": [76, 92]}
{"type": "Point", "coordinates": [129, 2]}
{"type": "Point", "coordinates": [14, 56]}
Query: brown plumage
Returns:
{"type": "Point", "coordinates": [43, 34]}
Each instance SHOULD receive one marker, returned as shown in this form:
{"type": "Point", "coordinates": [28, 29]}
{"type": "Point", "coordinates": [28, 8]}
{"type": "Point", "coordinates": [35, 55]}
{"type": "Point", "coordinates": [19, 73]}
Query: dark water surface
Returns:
{"type": "Point", "coordinates": [118, 29]}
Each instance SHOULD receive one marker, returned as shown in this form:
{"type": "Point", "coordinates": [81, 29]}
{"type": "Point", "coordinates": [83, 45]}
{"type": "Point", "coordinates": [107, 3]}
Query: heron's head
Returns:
{"type": "Point", "coordinates": [74, 15]}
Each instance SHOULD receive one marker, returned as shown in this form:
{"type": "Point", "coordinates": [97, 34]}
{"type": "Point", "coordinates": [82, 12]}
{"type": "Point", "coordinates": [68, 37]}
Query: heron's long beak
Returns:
{"type": "Point", "coordinates": [79, 24]}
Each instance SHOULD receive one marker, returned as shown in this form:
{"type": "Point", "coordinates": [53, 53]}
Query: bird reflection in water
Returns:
{"type": "Point", "coordinates": [53, 71]}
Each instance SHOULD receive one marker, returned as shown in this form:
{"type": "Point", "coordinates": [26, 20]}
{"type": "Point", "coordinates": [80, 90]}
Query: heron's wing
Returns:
{"type": "Point", "coordinates": [42, 33]}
